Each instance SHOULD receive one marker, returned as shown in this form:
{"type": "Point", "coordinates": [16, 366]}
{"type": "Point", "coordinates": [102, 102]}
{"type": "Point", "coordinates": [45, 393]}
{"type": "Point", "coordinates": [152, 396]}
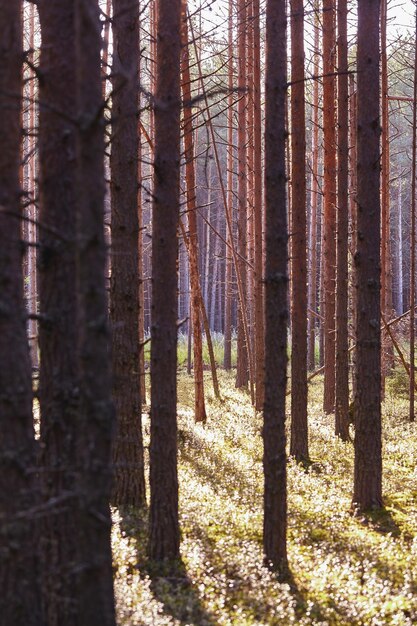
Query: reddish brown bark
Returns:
{"type": "Point", "coordinates": [199, 405]}
{"type": "Point", "coordinates": [342, 340]}
{"type": "Point", "coordinates": [19, 597]}
{"type": "Point", "coordinates": [276, 287]}
{"type": "Point", "coordinates": [258, 213]}
{"type": "Point", "coordinates": [129, 477]}
{"type": "Point", "coordinates": [164, 537]}
{"type": "Point", "coordinates": [329, 217]}
{"type": "Point", "coordinates": [312, 293]}
{"type": "Point", "coordinates": [242, 372]}
{"type": "Point", "coordinates": [227, 362]}
{"type": "Point", "coordinates": [299, 426]}
{"type": "Point", "coordinates": [367, 492]}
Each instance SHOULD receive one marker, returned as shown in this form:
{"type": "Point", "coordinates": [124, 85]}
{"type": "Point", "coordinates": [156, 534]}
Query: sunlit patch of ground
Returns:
{"type": "Point", "coordinates": [345, 571]}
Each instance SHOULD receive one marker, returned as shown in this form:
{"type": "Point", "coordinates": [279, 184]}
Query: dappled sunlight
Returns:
{"type": "Point", "coordinates": [345, 569]}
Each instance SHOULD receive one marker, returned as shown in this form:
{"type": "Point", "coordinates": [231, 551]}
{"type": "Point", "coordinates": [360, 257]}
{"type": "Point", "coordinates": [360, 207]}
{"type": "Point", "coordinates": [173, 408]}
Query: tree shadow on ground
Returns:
{"type": "Point", "coordinates": [170, 583]}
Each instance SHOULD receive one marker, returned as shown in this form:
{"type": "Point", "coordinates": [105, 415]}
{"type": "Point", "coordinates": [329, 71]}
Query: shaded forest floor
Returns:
{"type": "Point", "coordinates": [345, 570]}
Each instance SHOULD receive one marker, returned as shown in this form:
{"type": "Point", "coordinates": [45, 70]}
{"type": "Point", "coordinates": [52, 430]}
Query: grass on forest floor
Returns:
{"type": "Point", "coordinates": [345, 571]}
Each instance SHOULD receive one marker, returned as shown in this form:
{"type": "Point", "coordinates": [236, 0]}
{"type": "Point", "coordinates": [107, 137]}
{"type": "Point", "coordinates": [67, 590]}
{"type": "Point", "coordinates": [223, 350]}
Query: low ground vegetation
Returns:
{"type": "Point", "coordinates": [345, 570]}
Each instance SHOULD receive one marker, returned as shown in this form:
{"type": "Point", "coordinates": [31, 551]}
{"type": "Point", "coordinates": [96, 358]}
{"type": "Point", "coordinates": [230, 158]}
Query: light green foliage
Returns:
{"type": "Point", "coordinates": [346, 571]}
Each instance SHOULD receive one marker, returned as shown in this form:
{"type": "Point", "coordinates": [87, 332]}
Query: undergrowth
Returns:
{"type": "Point", "coordinates": [345, 570]}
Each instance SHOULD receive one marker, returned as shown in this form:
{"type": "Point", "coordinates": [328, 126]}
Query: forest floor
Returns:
{"type": "Point", "coordinates": [346, 570]}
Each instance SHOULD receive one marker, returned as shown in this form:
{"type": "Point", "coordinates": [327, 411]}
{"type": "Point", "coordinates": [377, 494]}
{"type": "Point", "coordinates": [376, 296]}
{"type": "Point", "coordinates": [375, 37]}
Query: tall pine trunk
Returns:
{"type": "Point", "coordinates": [299, 427]}
{"type": "Point", "coordinates": [164, 527]}
{"type": "Point", "coordinates": [276, 288]}
{"type": "Point", "coordinates": [129, 479]}
{"type": "Point", "coordinates": [19, 596]}
{"type": "Point", "coordinates": [368, 463]}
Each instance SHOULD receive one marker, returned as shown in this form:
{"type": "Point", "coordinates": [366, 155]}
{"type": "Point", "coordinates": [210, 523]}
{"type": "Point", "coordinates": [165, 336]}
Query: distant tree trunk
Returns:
{"type": "Point", "coordinates": [353, 217]}
{"type": "Point", "coordinates": [19, 596]}
{"type": "Point", "coordinates": [242, 374]}
{"type": "Point", "coordinates": [258, 219]}
{"type": "Point", "coordinates": [227, 361]}
{"type": "Point", "coordinates": [400, 310]}
{"type": "Point", "coordinates": [368, 464]}
{"type": "Point", "coordinates": [413, 242]}
{"type": "Point", "coordinates": [386, 274]}
{"type": "Point", "coordinates": [199, 402]}
{"type": "Point", "coordinates": [342, 337]}
{"type": "Point", "coordinates": [329, 218]}
{"type": "Point", "coordinates": [276, 286]}
{"type": "Point", "coordinates": [299, 427]}
{"type": "Point", "coordinates": [129, 476]}
{"type": "Point", "coordinates": [314, 203]}
{"type": "Point", "coordinates": [164, 527]}
{"type": "Point", "coordinates": [95, 422]}
{"type": "Point", "coordinates": [58, 335]}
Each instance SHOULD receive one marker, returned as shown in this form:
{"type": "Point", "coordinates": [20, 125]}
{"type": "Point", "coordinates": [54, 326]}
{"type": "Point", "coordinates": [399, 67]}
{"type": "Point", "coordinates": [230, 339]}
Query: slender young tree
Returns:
{"type": "Point", "coordinates": [199, 402]}
{"type": "Point", "coordinates": [58, 376]}
{"type": "Point", "coordinates": [19, 597]}
{"type": "Point", "coordinates": [329, 217]}
{"type": "Point", "coordinates": [129, 480]}
{"type": "Point", "coordinates": [367, 492]}
{"type": "Point", "coordinates": [342, 340]}
{"type": "Point", "coordinates": [299, 427]}
{"type": "Point", "coordinates": [413, 242]}
{"type": "Point", "coordinates": [276, 286]}
{"type": "Point", "coordinates": [164, 538]}
{"type": "Point", "coordinates": [242, 372]}
{"type": "Point", "coordinates": [95, 423]}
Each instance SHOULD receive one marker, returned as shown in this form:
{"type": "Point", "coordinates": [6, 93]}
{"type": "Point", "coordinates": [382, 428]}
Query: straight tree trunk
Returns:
{"type": "Point", "coordinates": [58, 335]}
{"type": "Point", "coordinates": [129, 476]}
{"type": "Point", "coordinates": [20, 593]}
{"type": "Point", "coordinates": [164, 540]}
{"type": "Point", "coordinates": [367, 493]}
{"type": "Point", "coordinates": [199, 402]}
{"type": "Point", "coordinates": [314, 203]}
{"type": "Point", "coordinates": [258, 214]}
{"type": "Point", "coordinates": [227, 361]}
{"type": "Point", "coordinates": [95, 599]}
{"type": "Point", "coordinates": [242, 373]}
{"type": "Point", "coordinates": [342, 337]}
{"type": "Point", "coordinates": [299, 426]}
{"type": "Point", "coordinates": [329, 218]}
{"type": "Point", "coordinates": [413, 243]}
{"type": "Point", "coordinates": [276, 287]}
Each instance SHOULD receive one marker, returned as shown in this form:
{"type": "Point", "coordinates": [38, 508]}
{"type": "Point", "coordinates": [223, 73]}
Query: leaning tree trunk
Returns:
{"type": "Point", "coordinates": [19, 597]}
{"type": "Point", "coordinates": [129, 480]}
{"type": "Point", "coordinates": [276, 286]}
{"type": "Point", "coordinates": [299, 426]}
{"type": "Point", "coordinates": [342, 339]}
{"type": "Point", "coordinates": [199, 403]}
{"type": "Point", "coordinates": [58, 377]}
{"type": "Point", "coordinates": [368, 463]}
{"type": "Point", "coordinates": [164, 541]}
{"type": "Point", "coordinates": [95, 422]}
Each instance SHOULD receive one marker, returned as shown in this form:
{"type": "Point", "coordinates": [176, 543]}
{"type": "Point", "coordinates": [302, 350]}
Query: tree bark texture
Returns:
{"type": "Point", "coordinates": [299, 426]}
{"type": "Point", "coordinates": [329, 225]}
{"type": "Point", "coordinates": [95, 425]}
{"type": "Point", "coordinates": [276, 287]}
{"type": "Point", "coordinates": [199, 402]}
{"type": "Point", "coordinates": [164, 527]}
{"type": "Point", "coordinates": [129, 477]}
{"type": "Point", "coordinates": [58, 380]}
{"type": "Point", "coordinates": [368, 465]}
{"type": "Point", "coordinates": [19, 597]}
{"type": "Point", "coordinates": [342, 339]}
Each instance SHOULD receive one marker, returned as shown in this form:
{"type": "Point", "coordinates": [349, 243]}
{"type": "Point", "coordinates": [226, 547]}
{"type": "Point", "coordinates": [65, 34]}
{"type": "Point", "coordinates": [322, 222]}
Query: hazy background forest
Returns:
{"type": "Point", "coordinates": [208, 312]}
